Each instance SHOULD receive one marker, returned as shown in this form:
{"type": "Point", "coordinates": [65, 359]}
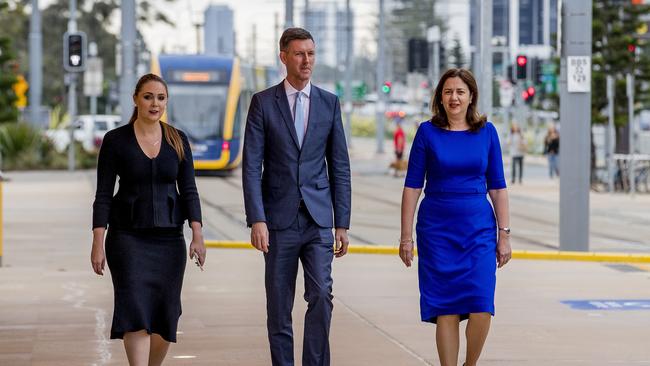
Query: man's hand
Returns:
{"type": "Point", "coordinates": [341, 236]}
{"type": "Point", "coordinates": [260, 236]}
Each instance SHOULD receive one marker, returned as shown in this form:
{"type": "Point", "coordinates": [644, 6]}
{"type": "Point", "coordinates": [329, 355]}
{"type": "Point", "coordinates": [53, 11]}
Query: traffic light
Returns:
{"type": "Point", "coordinates": [522, 63]}
{"type": "Point", "coordinates": [528, 94]}
{"type": "Point", "coordinates": [418, 55]}
{"type": "Point", "coordinates": [386, 87]}
{"type": "Point", "coordinates": [74, 52]}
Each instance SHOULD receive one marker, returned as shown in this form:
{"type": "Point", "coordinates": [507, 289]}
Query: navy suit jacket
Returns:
{"type": "Point", "coordinates": [277, 173]}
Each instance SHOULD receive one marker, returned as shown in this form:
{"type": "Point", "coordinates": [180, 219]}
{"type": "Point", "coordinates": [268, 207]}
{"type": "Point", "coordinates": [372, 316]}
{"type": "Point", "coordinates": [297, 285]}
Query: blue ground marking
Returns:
{"type": "Point", "coordinates": [610, 304]}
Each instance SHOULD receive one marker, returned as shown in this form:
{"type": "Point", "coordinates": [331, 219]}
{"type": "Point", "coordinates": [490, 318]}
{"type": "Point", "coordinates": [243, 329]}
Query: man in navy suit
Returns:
{"type": "Point", "coordinates": [296, 180]}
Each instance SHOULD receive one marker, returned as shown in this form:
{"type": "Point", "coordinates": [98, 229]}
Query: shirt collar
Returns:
{"type": "Point", "coordinates": [290, 90]}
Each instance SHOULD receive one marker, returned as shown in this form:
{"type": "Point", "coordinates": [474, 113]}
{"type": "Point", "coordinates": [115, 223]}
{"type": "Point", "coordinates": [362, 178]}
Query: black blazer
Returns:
{"type": "Point", "coordinates": [148, 196]}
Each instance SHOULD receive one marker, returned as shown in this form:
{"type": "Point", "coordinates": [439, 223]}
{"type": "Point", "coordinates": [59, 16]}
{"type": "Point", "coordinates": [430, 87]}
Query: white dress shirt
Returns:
{"type": "Point", "coordinates": [292, 94]}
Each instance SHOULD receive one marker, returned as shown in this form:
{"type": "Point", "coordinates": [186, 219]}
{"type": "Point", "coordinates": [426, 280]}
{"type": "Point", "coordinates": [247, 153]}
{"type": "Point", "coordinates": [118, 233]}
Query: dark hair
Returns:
{"type": "Point", "coordinates": [475, 120]}
{"type": "Point", "coordinates": [171, 134]}
{"type": "Point", "coordinates": [291, 34]}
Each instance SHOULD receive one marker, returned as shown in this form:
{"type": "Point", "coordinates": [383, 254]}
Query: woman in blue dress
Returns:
{"type": "Point", "coordinates": [461, 238]}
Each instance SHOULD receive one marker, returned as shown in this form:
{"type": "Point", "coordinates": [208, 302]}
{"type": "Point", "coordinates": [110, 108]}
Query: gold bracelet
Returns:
{"type": "Point", "coordinates": [406, 241]}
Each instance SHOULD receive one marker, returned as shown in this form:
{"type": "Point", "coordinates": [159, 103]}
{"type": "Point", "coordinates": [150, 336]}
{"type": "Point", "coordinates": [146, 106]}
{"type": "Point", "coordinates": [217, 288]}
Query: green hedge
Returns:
{"type": "Point", "coordinates": [23, 147]}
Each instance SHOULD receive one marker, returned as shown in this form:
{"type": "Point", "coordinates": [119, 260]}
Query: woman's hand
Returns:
{"type": "Point", "coordinates": [98, 258]}
{"type": "Point", "coordinates": [406, 251]}
{"type": "Point", "coordinates": [197, 247]}
{"type": "Point", "coordinates": [504, 251]}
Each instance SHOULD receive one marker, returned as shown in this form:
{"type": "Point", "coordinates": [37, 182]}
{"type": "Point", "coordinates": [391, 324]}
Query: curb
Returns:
{"type": "Point", "coordinates": [516, 254]}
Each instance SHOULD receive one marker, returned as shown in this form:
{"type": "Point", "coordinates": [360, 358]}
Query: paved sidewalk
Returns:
{"type": "Point", "coordinates": [55, 311]}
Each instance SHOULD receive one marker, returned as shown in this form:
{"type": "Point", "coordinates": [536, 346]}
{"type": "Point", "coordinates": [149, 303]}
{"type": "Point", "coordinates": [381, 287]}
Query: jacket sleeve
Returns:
{"type": "Point", "coordinates": [338, 165]}
{"type": "Point", "coordinates": [187, 184]}
{"type": "Point", "coordinates": [106, 175]}
{"type": "Point", "coordinates": [253, 158]}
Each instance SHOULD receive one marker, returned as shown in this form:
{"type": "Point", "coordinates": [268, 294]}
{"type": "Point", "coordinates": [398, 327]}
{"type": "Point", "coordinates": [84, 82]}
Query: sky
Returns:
{"type": "Point", "coordinates": [185, 13]}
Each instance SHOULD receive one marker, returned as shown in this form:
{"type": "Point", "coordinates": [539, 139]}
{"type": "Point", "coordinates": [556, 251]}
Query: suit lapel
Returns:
{"type": "Point", "coordinates": [283, 105]}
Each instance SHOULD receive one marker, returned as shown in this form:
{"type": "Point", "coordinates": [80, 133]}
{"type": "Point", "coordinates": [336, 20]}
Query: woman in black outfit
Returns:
{"type": "Point", "coordinates": [145, 247]}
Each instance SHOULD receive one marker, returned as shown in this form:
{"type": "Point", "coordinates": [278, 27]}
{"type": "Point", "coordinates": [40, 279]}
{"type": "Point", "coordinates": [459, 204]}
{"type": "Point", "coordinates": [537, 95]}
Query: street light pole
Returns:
{"type": "Point", "coordinates": [381, 101]}
{"type": "Point", "coordinates": [575, 117]}
{"type": "Point", "coordinates": [35, 65]}
{"type": "Point", "coordinates": [485, 66]}
{"type": "Point", "coordinates": [72, 90]}
{"type": "Point", "coordinates": [127, 80]}
{"type": "Point", "coordinates": [288, 14]}
{"type": "Point", "coordinates": [348, 73]}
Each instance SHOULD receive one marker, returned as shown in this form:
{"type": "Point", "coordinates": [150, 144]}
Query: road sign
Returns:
{"type": "Point", "coordinates": [579, 74]}
{"type": "Point", "coordinates": [93, 77]}
{"type": "Point", "coordinates": [643, 304]}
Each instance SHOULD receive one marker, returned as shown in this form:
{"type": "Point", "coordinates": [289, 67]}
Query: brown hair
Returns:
{"type": "Point", "coordinates": [291, 34]}
{"type": "Point", "coordinates": [475, 120]}
{"type": "Point", "coordinates": [171, 134]}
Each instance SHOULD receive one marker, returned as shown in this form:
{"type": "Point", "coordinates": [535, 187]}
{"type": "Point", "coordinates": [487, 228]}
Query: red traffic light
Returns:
{"type": "Point", "coordinates": [522, 60]}
{"type": "Point", "coordinates": [531, 91]}
{"type": "Point", "coordinates": [525, 95]}
{"type": "Point", "coordinates": [631, 47]}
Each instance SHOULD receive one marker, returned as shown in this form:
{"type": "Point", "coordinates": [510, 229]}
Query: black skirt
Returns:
{"type": "Point", "coordinates": [147, 268]}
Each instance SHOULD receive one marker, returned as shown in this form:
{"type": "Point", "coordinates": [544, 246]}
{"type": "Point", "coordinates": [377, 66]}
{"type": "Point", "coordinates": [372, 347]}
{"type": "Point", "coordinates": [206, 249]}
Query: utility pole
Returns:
{"type": "Point", "coordinates": [127, 79]}
{"type": "Point", "coordinates": [575, 117]}
{"type": "Point", "coordinates": [35, 65]}
{"type": "Point", "coordinates": [72, 90]}
{"type": "Point", "coordinates": [433, 37]}
{"type": "Point", "coordinates": [609, 134]}
{"type": "Point", "coordinates": [288, 14]}
{"type": "Point", "coordinates": [381, 101]}
{"type": "Point", "coordinates": [348, 73]}
{"type": "Point", "coordinates": [254, 45]}
{"type": "Point", "coordinates": [485, 66]}
{"type": "Point", "coordinates": [277, 41]}
{"type": "Point", "coordinates": [629, 78]}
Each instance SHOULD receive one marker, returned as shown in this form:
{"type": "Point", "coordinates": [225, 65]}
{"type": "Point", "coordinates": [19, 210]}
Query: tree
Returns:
{"type": "Point", "coordinates": [617, 50]}
{"type": "Point", "coordinates": [8, 110]}
{"type": "Point", "coordinates": [457, 55]}
{"type": "Point", "coordinates": [93, 17]}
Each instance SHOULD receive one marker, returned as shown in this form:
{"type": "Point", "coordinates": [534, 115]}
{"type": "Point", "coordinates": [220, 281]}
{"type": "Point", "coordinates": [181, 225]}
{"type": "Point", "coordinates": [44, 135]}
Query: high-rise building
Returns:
{"type": "Point", "coordinates": [342, 34]}
{"type": "Point", "coordinates": [328, 25]}
{"type": "Point", "coordinates": [524, 26]}
{"type": "Point", "coordinates": [218, 31]}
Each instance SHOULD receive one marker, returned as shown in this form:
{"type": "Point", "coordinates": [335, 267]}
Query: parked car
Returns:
{"type": "Point", "coordinates": [89, 130]}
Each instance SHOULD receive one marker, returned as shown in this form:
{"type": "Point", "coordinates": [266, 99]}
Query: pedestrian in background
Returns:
{"type": "Point", "coordinates": [517, 149]}
{"type": "Point", "coordinates": [296, 181]}
{"type": "Point", "coordinates": [458, 153]}
{"type": "Point", "coordinates": [552, 151]}
{"type": "Point", "coordinates": [145, 247]}
{"type": "Point", "coordinates": [399, 142]}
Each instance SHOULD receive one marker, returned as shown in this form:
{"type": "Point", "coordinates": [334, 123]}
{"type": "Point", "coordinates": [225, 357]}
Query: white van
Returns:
{"type": "Point", "coordinates": [88, 129]}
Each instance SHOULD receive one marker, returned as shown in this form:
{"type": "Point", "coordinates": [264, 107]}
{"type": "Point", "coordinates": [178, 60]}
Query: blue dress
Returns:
{"type": "Point", "coordinates": [456, 227]}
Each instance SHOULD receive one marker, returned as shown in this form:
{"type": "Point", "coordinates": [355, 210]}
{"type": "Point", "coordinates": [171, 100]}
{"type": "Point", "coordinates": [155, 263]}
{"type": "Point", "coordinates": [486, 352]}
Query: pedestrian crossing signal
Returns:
{"type": "Point", "coordinates": [74, 52]}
